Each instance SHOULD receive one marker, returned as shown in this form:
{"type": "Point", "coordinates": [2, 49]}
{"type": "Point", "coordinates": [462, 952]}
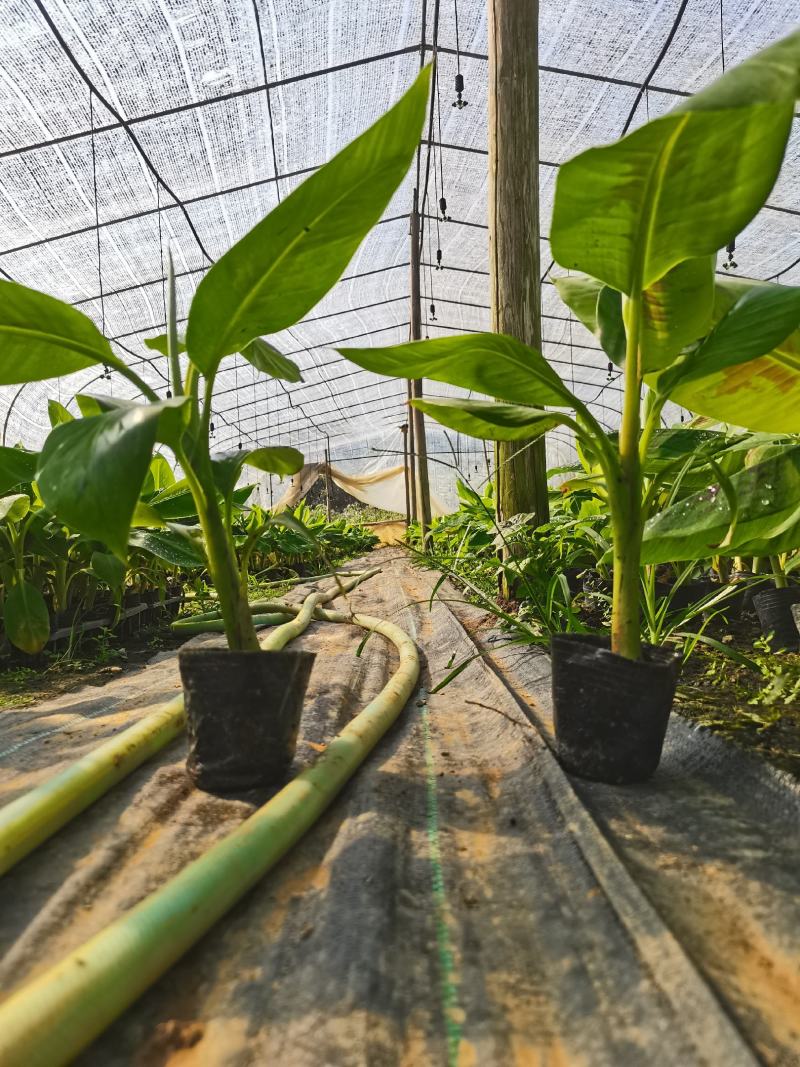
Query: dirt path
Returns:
{"type": "Point", "coordinates": [457, 905]}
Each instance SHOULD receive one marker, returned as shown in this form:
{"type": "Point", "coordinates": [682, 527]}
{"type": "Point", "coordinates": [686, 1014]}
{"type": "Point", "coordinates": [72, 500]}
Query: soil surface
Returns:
{"type": "Point", "coordinates": [758, 710]}
{"type": "Point", "coordinates": [26, 680]}
{"type": "Point", "coordinates": [458, 904]}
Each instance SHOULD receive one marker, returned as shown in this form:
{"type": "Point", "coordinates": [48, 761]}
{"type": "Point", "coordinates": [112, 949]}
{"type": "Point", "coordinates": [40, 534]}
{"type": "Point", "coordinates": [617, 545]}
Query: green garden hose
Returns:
{"type": "Point", "coordinates": [34, 817]}
{"type": "Point", "coordinates": [48, 1021]}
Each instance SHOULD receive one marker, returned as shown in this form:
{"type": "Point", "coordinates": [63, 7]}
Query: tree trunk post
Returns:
{"type": "Point", "coordinates": [418, 420]}
{"type": "Point", "coordinates": [406, 476]}
{"type": "Point", "coordinates": [514, 252]}
{"type": "Point", "coordinates": [412, 456]}
{"type": "Point", "coordinates": [328, 484]}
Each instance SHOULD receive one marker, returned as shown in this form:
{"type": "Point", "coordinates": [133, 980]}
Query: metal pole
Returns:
{"type": "Point", "coordinates": [404, 431]}
{"type": "Point", "coordinates": [423, 485]}
{"type": "Point", "coordinates": [412, 457]}
{"type": "Point", "coordinates": [328, 485]}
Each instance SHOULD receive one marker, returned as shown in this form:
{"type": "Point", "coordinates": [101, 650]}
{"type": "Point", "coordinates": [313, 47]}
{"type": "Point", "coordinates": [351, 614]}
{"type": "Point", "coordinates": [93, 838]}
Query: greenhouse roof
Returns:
{"type": "Point", "coordinates": [131, 128]}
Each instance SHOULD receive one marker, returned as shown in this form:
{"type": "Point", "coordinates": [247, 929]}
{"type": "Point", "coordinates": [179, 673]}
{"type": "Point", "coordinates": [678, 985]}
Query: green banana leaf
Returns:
{"type": "Point", "coordinates": [683, 185]}
{"type": "Point", "coordinates": [42, 337]}
{"type": "Point", "coordinates": [489, 363]}
{"type": "Point", "coordinates": [747, 370]}
{"type": "Point", "coordinates": [26, 619]}
{"type": "Point", "coordinates": [278, 459]}
{"type": "Point", "coordinates": [490, 421]}
{"type": "Point", "coordinates": [289, 260]}
{"type": "Point", "coordinates": [91, 471]}
{"type": "Point", "coordinates": [767, 520]}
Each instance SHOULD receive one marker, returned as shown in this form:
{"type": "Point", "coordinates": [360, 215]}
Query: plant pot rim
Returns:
{"type": "Point", "coordinates": [224, 653]}
{"type": "Point", "coordinates": [654, 655]}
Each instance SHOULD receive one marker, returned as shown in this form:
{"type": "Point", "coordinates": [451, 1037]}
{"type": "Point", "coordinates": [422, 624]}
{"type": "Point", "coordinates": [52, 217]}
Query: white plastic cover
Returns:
{"type": "Point", "coordinates": [187, 75]}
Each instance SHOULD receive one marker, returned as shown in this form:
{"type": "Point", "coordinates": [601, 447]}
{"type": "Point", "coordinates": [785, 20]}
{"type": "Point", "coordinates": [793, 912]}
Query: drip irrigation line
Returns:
{"type": "Point", "coordinates": [123, 122]}
{"type": "Point", "coordinates": [458, 42]}
{"type": "Point", "coordinates": [424, 197]}
{"type": "Point", "coordinates": [293, 352]}
{"type": "Point", "coordinates": [346, 412]}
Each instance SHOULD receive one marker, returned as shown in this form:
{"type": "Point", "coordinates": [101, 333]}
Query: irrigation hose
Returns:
{"type": "Point", "coordinates": [281, 637]}
{"type": "Point", "coordinates": [30, 819]}
{"type": "Point", "coordinates": [48, 1021]}
{"type": "Point", "coordinates": [216, 625]}
{"type": "Point", "coordinates": [275, 606]}
{"type": "Point", "coordinates": [35, 816]}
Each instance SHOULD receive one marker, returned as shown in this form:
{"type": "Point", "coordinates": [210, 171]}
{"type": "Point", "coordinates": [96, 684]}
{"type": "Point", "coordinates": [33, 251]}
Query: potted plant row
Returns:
{"type": "Point", "coordinates": [638, 223]}
{"type": "Point", "coordinates": [244, 701]}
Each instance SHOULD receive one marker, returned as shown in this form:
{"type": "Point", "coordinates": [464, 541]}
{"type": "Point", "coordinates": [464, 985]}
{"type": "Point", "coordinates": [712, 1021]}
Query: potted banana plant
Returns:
{"type": "Point", "coordinates": [754, 513]}
{"type": "Point", "coordinates": [243, 701]}
{"type": "Point", "coordinates": [641, 221]}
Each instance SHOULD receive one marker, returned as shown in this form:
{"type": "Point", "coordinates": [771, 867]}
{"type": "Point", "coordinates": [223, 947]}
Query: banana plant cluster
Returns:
{"type": "Point", "coordinates": [54, 577]}
{"type": "Point", "coordinates": [638, 224]}
{"type": "Point", "coordinates": [51, 575]}
{"type": "Point", "coordinates": [91, 470]}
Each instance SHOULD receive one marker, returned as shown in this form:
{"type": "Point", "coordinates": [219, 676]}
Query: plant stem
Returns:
{"type": "Point", "coordinates": [239, 629]}
{"type": "Point", "coordinates": [172, 330]}
{"type": "Point", "coordinates": [626, 503]}
{"type": "Point", "coordinates": [778, 572]}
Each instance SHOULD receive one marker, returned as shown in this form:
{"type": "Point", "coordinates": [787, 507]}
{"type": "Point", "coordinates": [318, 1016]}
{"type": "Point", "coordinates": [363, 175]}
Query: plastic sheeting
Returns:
{"type": "Point", "coordinates": [188, 77]}
{"type": "Point", "coordinates": [385, 489]}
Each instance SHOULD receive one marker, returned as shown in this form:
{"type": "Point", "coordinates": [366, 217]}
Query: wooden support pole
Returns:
{"type": "Point", "coordinates": [423, 486]}
{"type": "Point", "coordinates": [412, 457]}
{"type": "Point", "coordinates": [514, 260]}
{"type": "Point", "coordinates": [406, 481]}
{"type": "Point", "coordinates": [328, 484]}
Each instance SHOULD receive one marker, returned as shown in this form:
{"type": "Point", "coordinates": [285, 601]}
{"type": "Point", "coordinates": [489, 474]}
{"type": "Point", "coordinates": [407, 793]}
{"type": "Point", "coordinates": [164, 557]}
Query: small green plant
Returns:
{"type": "Point", "coordinates": [92, 470]}
{"type": "Point", "coordinates": [642, 221]}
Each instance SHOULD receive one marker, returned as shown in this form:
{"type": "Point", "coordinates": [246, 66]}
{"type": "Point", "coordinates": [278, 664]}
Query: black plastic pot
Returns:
{"type": "Point", "coordinates": [243, 713]}
{"type": "Point", "coordinates": [610, 713]}
{"type": "Point", "coordinates": [689, 593]}
{"type": "Point", "coordinates": [574, 576]}
{"type": "Point", "coordinates": [593, 582]}
{"type": "Point", "coordinates": [774, 610]}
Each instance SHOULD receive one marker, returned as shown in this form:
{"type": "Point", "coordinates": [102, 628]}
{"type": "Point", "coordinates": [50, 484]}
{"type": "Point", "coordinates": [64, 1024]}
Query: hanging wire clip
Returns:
{"type": "Point", "coordinates": [458, 102]}
{"type": "Point", "coordinates": [730, 263]}
{"type": "Point", "coordinates": [438, 259]}
{"type": "Point", "coordinates": [609, 372]}
{"type": "Point", "coordinates": [433, 313]}
{"type": "Point", "coordinates": [106, 372]}
{"type": "Point", "coordinates": [443, 209]}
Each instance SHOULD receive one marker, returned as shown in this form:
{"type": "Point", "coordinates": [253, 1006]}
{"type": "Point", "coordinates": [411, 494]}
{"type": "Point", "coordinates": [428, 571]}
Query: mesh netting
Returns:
{"type": "Point", "coordinates": [86, 219]}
